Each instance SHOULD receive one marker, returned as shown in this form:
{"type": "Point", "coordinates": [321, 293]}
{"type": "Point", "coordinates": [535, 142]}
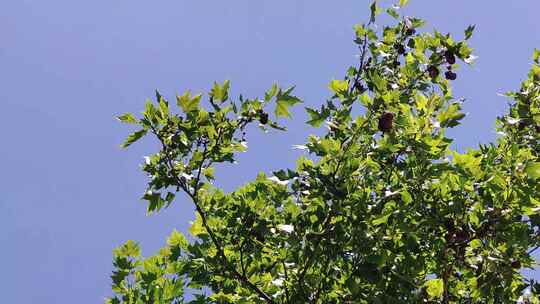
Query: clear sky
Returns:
{"type": "Point", "coordinates": [69, 194]}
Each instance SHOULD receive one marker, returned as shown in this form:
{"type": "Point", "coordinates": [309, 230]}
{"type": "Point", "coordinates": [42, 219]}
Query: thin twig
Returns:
{"type": "Point", "coordinates": [194, 197]}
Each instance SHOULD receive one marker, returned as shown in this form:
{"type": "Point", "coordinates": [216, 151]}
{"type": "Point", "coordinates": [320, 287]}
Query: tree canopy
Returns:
{"type": "Point", "coordinates": [380, 210]}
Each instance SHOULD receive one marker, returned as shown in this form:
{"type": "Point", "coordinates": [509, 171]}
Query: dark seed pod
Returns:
{"type": "Point", "coordinates": [449, 237]}
{"type": "Point", "coordinates": [359, 87]}
{"type": "Point", "coordinates": [259, 236]}
{"type": "Point", "coordinates": [462, 236]}
{"type": "Point", "coordinates": [450, 57]}
{"type": "Point", "coordinates": [450, 75]}
{"type": "Point", "coordinates": [433, 71]}
{"type": "Point", "coordinates": [449, 225]}
{"type": "Point", "coordinates": [263, 118]}
{"type": "Point", "coordinates": [516, 264]}
{"type": "Point", "coordinates": [400, 49]}
{"type": "Point", "coordinates": [410, 32]}
{"type": "Point", "coordinates": [385, 122]}
{"type": "Point", "coordinates": [537, 128]}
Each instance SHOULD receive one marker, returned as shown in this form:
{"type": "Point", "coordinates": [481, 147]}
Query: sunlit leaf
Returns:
{"type": "Point", "coordinates": [469, 31]}
{"type": "Point", "coordinates": [533, 170]}
{"type": "Point", "coordinates": [187, 102]}
{"type": "Point", "coordinates": [435, 288]}
{"type": "Point", "coordinates": [128, 118]}
{"type": "Point", "coordinates": [133, 137]}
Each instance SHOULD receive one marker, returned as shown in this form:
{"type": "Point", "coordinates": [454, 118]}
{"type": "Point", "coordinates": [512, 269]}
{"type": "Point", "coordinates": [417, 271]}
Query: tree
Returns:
{"type": "Point", "coordinates": [383, 210]}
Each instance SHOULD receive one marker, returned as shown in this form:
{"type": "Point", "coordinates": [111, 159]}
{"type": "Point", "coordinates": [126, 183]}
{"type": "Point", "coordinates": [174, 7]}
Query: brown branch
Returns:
{"type": "Point", "coordinates": [287, 295]}
{"type": "Point", "coordinates": [194, 197]}
{"type": "Point", "coordinates": [362, 58]}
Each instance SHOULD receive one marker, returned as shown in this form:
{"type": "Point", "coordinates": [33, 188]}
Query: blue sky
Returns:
{"type": "Point", "coordinates": [69, 194]}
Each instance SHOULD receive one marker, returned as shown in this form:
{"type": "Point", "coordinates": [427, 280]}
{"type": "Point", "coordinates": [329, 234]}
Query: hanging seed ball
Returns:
{"type": "Point", "coordinates": [433, 71]}
{"type": "Point", "coordinates": [410, 32]}
{"type": "Point", "coordinates": [400, 49]}
{"type": "Point", "coordinates": [385, 122]}
{"type": "Point", "coordinates": [537, 128]}
{"type": "Point", "coordinates": [516, 264]}
{"type": "Point", "coordinates": [359, 87]}
{"type": "Point", "coordinates": [450, 75]}
{"type": "Point", "coordinates": [450, 57]}
{"type": "Point", "coordinates": [462, 236]}
{"type": "Point", "coordinates": [263, 118]}
{"type": "Point", "coordinates": [449, 224]}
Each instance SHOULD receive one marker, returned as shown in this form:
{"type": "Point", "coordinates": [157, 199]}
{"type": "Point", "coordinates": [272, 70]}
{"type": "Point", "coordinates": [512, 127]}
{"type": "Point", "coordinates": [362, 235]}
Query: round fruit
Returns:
{"type": "Point", "coordinates": [450, 57]}
{"type": "Point", "coordinates": [449, 224]}
{"type": "Point", "coordinates": [462, 236]}
{"type": "Point", "coordinates": [433, 71]}
{"type": "Point", "coordinates": [360, 87]}
{"type": "Point", "coordinates": [450, 75]}
{"type": "Point", "coordinates": [400, 49]}
{"type": "Point", "coordinates": [385, 122]}
{"type": "Point", "coordinates": [516, 264]}
{"type": "Point", "coordinates": [263, 118]}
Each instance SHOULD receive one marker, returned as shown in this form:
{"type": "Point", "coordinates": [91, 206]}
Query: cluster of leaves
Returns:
{"type": "Point", "coordinates": [380, 211]}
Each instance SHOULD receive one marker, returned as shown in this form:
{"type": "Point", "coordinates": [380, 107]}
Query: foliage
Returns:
{"type": "Point", "coordinates": [383, 211]}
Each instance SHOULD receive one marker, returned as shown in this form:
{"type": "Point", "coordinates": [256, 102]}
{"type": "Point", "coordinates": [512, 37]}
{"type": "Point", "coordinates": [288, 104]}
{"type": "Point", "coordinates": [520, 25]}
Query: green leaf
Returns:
{"type": "Point", "coordinates": [339, 86]}
{"type": "Point", "coordinates": [150, 112]}
{"type": "Point", "coordinates": [359, 30]}
{"type": "Point", "coordinates": [402, 3]}
{"type": "Point", "coordinates": [209, 173]}
{"type": "Point", "coordinates": [177, 239]}
{"type": "Point", "coordinates": [533, 170]}
{"type": "Point", "coordinates": [282, 109]}
{"type": "Point", "coordinates": [469, 31]}
{"type": "Point", "coordinates": [220, 92]}
{"type": "Point", "coordinates": [452, 115]}
{"type": "Point", "coordinates": [128, 118]}
{"type": "Point", "coordinates": [271, 93]}
{"type": "Point", "coordinates": [128, 249]}
{"type": "Point", "coordinates": [434, 288]}
{"type": "Point", "coordinates": [188, 103]}
{"type": "Point", "coordinates": [133, 137]}
{"type": "Point", "coordinates": [284, 101]}
{"type": "Point", "coordinates": [366, 100]}
{"type": "Point", "coordinates": [379, 81]}
{"type": "Point", "coordinates": [155, 201]}
{"type": "Point", "coordinates": [393, 13]}
{"type": "Point", "coordinates": [536, 55]}
{"type": "Point", "coordinates": [406, 197]}
{"type": "Point", "coordinates": [375, 10]}
{"type": "Point", "coordinates": [316, 118]}
{"type": "Point", "coordinates": [197, 227]}
{"type": "Point", "coordinates": [163, 108]}
{"type": "Point", "coordinates": [381, 220]}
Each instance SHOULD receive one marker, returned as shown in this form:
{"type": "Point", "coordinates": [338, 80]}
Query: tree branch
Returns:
{"type": "Point", "coordinates": [194, 197]}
